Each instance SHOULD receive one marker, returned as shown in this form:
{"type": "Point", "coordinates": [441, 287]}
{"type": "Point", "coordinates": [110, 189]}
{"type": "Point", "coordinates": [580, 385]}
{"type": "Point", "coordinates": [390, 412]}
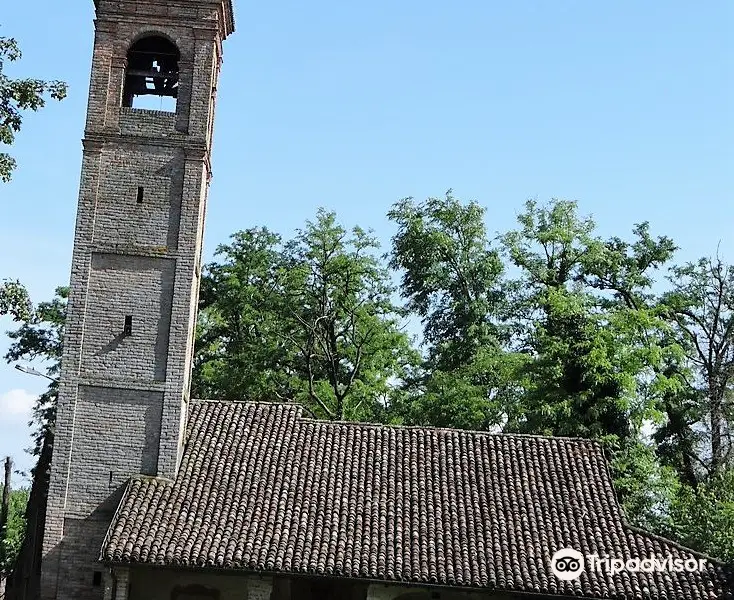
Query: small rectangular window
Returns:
{"type": "Point", "coordinates": [140, 194]}
{"type": "Point", "coordinates": [97, 579]}
{"type": "Point", "coordinates": [128, 327]}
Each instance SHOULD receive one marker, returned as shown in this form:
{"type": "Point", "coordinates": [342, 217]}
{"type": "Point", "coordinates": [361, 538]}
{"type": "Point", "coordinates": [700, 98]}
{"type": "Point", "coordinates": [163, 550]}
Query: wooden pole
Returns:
{"type": "Point", "coordinates": [5, 507]}
{"type": "Point", "coordinates": [4, 510]}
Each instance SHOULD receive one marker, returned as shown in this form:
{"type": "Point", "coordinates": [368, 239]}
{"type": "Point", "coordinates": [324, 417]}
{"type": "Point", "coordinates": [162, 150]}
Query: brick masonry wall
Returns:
{"type": "Point", "coordinates": [116, 435]}
{"type": "Point", "coordinates": [151, 219]}
{"type": "Point", "coordinates": [123, 285]}
{"type": "Point", "coordinates": [78, 561]}
{"type": "Point", "coordinates": [147, 123]}
{"type": "Point", "coordinates": [122, 399]}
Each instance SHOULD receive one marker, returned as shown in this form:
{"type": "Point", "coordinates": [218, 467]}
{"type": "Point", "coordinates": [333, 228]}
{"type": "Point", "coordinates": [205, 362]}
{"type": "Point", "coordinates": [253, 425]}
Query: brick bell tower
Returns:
{"type": "Point", "coordinates": [135, 272]}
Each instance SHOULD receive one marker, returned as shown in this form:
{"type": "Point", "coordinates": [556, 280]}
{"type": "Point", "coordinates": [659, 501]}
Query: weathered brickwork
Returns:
{"type": "Point", "coordinates": [147, 123]}
{"type": "Point", "coordinates": [77, 556]}
{"type": "Point", "coordinates": [139, 198]}
{"type": "Point", "coordinates": [123, 285]}
{"type": "Point", "coordinates": [137, 254]}
{"type": "Point", "coordinates": [116, 434]}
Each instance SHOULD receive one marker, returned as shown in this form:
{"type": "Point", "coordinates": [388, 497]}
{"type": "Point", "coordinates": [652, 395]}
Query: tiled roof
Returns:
{"type": "Point", "coordinates": [262, 488]}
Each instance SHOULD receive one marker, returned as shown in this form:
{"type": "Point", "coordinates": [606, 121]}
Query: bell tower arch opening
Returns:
{"type": "Point", "coordinates": [151, 76]}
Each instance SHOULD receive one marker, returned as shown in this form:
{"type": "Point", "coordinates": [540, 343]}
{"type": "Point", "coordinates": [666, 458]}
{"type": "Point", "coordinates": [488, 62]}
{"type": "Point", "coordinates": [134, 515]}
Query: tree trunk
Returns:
{"type": "Point", "coordinates": [717, 418]}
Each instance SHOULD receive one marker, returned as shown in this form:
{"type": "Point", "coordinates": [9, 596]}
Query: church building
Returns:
{"type": "Point", "coordinates": [154, 495]}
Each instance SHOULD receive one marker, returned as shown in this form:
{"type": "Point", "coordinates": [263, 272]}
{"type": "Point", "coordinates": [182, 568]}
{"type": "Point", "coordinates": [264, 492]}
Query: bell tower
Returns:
{"type": "Point", "coordinates": [128, 344]}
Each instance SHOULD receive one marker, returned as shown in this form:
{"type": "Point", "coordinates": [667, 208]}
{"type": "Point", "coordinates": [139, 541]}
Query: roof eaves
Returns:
{"type": "Point", "coordinates": [121, 504]}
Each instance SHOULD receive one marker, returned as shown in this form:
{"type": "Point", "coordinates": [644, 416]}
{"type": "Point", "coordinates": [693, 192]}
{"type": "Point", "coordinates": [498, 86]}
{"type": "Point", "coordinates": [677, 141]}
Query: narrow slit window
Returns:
{"type": "Point", "coordinates": [97, 578]}
{"type": "Point", "coordinates": [140, 194]}
{"type": "Point", "coordinates": [128, 327]}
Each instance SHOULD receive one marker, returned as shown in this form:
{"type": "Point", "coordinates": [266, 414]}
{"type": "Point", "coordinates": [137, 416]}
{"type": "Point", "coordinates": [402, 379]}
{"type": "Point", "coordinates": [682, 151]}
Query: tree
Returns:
{"type": "Point", "coordinates": [344, 325]}
{"type": "Point", "coordinates": [702, 517]}
{"type": "Point", "coordinates": [450, 276]}
{"type": "Point", "coordinates": [11, 542]}
{"type": "Point", "coordinates": [700, 306]}
{"type": "Point", "coordinates": [16, 96]}
{"type": "Point", "coordinates": [40, 337]}
{"type": "Point", "coordinates": [677, 442]}
{"type": "Point", "coordinates": [587, 321]}
{"type": "Point", "coordinates": [451, 279]}
{"type": "Point", "coordinates": [597, 341]}
{"type": "Point", "coordinates": [240, 350]}
{"type": "Point", "coordinates": [309, 320]}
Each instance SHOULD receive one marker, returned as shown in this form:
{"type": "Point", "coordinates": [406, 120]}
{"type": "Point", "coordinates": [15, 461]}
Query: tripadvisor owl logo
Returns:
{"type": "Point", "coordinates": [567, 564]}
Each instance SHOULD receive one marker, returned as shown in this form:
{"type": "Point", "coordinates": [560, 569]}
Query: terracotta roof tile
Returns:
{"type": "Point", "coordinates": [261, 488]}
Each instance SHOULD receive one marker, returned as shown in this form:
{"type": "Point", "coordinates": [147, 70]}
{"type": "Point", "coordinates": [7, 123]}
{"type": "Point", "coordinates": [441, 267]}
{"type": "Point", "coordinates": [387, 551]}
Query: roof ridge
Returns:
{"type": "Point", "coordinates": [301, 409]}
{"type": "Point", "coordinates": [257, 402]}
{"type": "Point", "coordinates": [562, 438]}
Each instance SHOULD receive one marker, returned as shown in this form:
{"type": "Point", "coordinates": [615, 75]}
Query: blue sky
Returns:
{"type": "Point", "coordinates": [627, 107]}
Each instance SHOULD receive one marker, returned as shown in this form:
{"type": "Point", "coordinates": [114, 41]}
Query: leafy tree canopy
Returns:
{"type": "Point", "coordinates": [17, 96]}
{"type": "Point", "coordinates": [308, 320]}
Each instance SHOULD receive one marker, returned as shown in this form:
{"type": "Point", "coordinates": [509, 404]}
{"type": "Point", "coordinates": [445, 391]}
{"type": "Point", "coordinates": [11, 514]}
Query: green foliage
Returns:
{"type": "Point", "coordinates": [594, 340]}
{"type": "Point", "coordinates": [11, 538]}
{"type": "Point", "coordinates": [310, 320]}
{"type": "Point", "coordinates": [40, 338]}
{"type": "Point", "coordinates": [703, 517]}
{"type": "Point", "coordinates": [678, 437]}
{"type": "Point", "coordinates": [645, 486]}
{"type": "Point", "coordinates": [450, 276]}
{"type": "Point", "coordinates": [16, 96]}
{"type": "Point", "coordinates": [476, 395]}
{"type": "Point", "coordinates": [627, 269]}
{"type": "Point", "coordinates": [240, 352]}
{"type": "Point", "coordinates": [451, 280]}
{"type": "Point", "coordinates": [14, 300]}
{"type": "Point", "coordinates": [552, 245]}
{"type": "Point", "coordinates": [41, 334]}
